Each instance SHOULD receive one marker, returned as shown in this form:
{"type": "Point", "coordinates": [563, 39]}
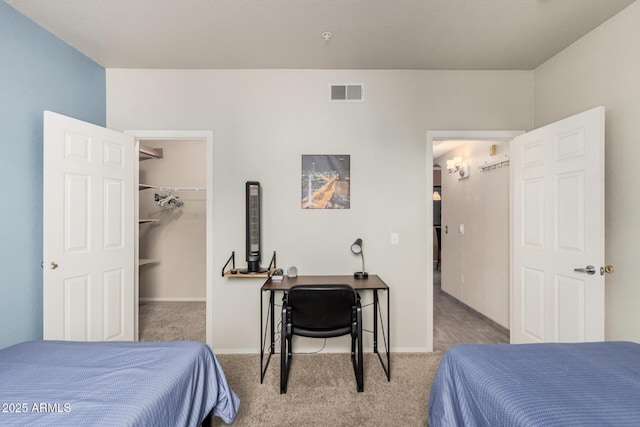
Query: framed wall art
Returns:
{"type": "Point", "coordinates": [326, 181]}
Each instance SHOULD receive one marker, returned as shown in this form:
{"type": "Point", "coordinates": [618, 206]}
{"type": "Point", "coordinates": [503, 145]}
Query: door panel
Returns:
{"type": "Point", "coordinates": [88, 278]}
{"type": "Point", "coordinates": [533, 220]}
{"type": "Point", "coordinates": [113, 304]}
{"type": "Point", "coordinates": [75, 308]}
{"type": "Point", "coordinates": [570, 308]}
{"type": "Point", "coordinates": [569, 218]}
{"type": "Point", "coordinates": [558, 225]}
{"type": "Point", "coordinates": [114, 192]}
{"type": "Point", "coordinates": [533, 303]}
{"type": "Point", "coordinates": [76, 202]}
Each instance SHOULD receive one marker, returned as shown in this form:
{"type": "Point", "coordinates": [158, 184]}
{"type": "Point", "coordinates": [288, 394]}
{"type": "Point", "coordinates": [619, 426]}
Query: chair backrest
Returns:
{"type": "Point", "coordinates": [321, 310]}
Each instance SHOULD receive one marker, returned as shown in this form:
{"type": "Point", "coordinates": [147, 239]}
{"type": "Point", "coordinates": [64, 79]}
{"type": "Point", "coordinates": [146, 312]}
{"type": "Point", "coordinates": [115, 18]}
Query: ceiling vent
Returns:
{"type": "Point", "coordinates": [347, 92]}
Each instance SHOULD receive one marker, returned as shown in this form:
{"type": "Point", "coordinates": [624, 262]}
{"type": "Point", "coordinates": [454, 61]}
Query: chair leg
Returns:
{"type": "Point", "coordinates": [356, 355]}
{"type": "Point", "coordinates": [285, 359]}
{"type": "Point", "coordinates": [360, 356]}
{"type": "Point", "coordinates": [283, 366]}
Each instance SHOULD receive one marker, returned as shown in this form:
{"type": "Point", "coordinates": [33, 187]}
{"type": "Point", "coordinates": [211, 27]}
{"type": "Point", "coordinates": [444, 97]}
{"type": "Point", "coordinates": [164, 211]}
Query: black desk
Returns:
{"type": "Point", "coordinates": [372, 283]}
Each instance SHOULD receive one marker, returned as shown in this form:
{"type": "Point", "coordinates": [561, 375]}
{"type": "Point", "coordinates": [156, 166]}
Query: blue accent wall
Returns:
{"type": "Point", "coordinates": [38, 72]}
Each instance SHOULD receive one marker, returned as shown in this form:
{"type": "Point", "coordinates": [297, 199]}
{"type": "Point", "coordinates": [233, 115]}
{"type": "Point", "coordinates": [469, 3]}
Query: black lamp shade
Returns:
{"type": "Point", "coordinates": [356, 248]}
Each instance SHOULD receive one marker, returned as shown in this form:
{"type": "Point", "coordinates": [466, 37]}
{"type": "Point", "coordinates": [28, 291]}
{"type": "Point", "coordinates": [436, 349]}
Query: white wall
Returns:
{"type": "Point", "coordinates": [475, 265]}
{"type": "Point", "coordinates": [264, 120]}
{"type": "Point", "coordinates": [177, 240]}
{"type": "Point", "coordinates": [603, 68]}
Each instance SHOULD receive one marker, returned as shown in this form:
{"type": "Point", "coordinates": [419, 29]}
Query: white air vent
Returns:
{"type": "Point", "coordinates": [347, 92]}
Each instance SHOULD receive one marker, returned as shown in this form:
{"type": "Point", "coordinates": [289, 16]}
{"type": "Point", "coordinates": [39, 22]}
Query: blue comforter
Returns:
{"type": "Point", "coordinates": [54, 383]}
{"type": "Point", "coordinates": [586, 384]}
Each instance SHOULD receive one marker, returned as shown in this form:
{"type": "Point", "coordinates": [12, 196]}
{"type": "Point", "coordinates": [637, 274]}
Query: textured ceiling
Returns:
{"type": "Point", "coordinates": [367, 34]}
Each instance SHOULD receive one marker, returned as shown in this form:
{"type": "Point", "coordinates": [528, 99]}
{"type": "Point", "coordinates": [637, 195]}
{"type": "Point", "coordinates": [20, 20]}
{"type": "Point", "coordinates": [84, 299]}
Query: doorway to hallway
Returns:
{"type": "Point", "coordinates": [456, 323]}
{"type": "Point", "coordinates": [472, 282]}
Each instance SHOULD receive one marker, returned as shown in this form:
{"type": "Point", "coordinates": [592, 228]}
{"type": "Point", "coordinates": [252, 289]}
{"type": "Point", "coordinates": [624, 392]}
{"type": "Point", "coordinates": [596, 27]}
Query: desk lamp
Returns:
{"type": "Point", "coordinates": [356, 248]}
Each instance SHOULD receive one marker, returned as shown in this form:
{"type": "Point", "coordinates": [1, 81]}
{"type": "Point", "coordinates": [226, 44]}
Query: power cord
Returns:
{"type": "Point", "coordinates": [313, 352]}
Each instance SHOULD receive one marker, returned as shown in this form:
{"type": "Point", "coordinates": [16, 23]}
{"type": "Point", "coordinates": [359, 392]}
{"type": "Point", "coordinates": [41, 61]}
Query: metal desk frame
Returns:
{"type": "Point", "coordinates": [372, 283]}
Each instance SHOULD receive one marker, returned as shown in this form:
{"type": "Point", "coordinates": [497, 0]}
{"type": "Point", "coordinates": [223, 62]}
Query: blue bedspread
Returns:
{"type": "Point", "coordinates": [55, 383]}
{"type": "Point", "coordinates": [586, 384]}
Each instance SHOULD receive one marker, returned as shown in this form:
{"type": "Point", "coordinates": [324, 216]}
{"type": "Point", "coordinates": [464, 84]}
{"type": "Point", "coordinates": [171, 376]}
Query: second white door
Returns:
{"type": "Point", "coordinates": [558, 231]}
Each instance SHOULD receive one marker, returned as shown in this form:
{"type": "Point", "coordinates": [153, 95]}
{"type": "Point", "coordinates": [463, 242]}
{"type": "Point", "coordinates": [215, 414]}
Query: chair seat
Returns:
{"type": "Point", "coordinates": [314, 333]}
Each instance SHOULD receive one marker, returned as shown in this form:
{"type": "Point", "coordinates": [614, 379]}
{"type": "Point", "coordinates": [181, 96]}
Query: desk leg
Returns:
{"type": "Point", "coordinates": [375, 320]}
{"type": "Point", "coordinates": [263, 332]}
{"type": "Point", "coordinates": [272, 307]}
{"type": "Point", "coordinates": [389, 336]}
{"type": "Point", "coordinates": [386, 337]}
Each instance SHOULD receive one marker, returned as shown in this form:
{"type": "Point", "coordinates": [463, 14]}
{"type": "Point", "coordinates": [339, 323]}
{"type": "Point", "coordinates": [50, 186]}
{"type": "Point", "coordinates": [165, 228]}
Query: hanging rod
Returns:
{"type": "Point", "coordinates": [196, 189]}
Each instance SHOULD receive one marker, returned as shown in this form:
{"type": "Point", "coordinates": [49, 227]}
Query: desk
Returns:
{"type": "Point", "coordinates": [372, 283]}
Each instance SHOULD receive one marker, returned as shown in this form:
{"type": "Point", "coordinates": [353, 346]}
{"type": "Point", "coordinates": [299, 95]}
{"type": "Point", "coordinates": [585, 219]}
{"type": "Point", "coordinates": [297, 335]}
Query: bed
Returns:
{"type": "Point", "coordinates": [62, 383]}
{"type": "Point", "coordinates": [585, 384]}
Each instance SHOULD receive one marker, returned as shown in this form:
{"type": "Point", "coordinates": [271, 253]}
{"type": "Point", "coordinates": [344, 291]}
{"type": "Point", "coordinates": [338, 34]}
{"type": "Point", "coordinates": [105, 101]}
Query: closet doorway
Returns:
{"type": "Point", "coordinates": [174, 211]}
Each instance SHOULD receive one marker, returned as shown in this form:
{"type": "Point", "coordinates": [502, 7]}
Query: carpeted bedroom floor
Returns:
{"type": "Point", "coordinates": [322, 391]}
{"type": "Point", "coordinates": [322, 388]}
{"type": "Point", "coordinates": [172, 320]}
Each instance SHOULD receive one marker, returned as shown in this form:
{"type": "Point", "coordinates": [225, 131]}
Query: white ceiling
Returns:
{"type": "Point", "coordinates": [367, 34]}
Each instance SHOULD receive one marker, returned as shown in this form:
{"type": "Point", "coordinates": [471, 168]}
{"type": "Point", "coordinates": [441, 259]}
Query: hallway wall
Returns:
{"type": "Point", "coordinates": [475, 265]}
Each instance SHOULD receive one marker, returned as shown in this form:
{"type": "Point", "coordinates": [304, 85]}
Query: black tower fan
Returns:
{"type": "Point", "coordinates": [253, 196]}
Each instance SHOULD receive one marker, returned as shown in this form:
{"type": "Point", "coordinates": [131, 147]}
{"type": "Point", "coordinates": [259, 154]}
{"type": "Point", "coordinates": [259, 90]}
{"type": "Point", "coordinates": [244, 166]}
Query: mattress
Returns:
{"type": "Point", "coordinates": [582, 384]}
{"type": "Point", "coordinates": [61, 383]}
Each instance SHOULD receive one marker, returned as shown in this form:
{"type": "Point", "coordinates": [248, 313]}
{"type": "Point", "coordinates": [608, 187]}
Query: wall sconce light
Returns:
{"type": "Point", "coordinates": [436, 196]}
{"type": "Point", "coordinates": [459, 167]}
{"type": "Point", "coordinates": [356, 248]}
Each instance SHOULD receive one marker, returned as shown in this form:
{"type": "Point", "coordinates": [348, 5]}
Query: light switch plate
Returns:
{"type": "Point", "coordinates": [395, 239]}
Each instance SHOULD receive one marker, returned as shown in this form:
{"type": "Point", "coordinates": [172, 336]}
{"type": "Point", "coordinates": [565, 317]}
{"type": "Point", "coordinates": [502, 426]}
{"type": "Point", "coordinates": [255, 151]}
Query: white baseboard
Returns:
{"type": "Point", "coordinates": [237, 351]}
{"type": "Point", "coordinates": [311, 350]}
{"type": "Point", "coordinates": [409, 350]}
{"type": "Point", "coordinates": [174, 299]}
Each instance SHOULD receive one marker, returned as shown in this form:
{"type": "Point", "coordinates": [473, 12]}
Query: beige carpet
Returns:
{"type": "Point", "coordinates": [322, 391]}
{"type": "Point", "coordinates": [172, 320]}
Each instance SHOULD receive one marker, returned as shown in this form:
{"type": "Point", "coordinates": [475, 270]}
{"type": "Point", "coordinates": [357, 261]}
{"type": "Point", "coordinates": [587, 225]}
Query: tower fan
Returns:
{"type": "Point", "coordinates": [252, 190]}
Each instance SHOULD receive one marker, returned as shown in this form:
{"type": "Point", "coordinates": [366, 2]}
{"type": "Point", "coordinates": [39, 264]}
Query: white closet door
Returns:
{"type": "Point", "coordinates": [89, 264]}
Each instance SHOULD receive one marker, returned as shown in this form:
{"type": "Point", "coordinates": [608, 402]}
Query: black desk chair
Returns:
{"type": "Point", "coordinates": [321, 311]}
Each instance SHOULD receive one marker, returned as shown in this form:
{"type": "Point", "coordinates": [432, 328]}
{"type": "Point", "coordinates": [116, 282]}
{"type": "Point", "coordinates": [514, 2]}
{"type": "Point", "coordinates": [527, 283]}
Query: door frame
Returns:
{"type": "Point", "coordinates": [459, 135]}
{"type": "Point", "coordinates": [184, 135]}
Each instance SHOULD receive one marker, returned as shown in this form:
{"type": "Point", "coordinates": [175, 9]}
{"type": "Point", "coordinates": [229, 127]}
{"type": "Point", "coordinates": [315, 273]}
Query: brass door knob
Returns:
{"type": "Point", "coordinates": [607, 269]}
{"type": "Point", "coordinates": [54, 265]}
